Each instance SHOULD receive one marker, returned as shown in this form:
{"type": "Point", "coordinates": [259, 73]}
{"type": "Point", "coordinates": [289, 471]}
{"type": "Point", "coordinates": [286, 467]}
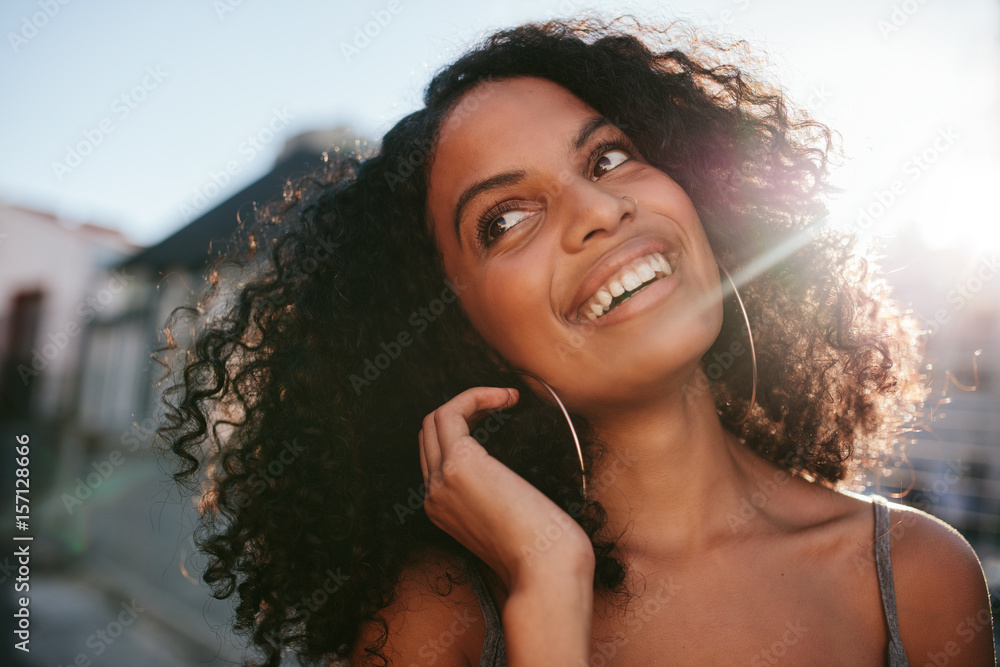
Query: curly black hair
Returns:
{"type": "Point", "coordinates": [336, 332]}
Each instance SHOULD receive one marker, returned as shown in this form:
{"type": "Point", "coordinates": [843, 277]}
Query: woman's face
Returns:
{"type": "Point", "coordinates": [554, 266]}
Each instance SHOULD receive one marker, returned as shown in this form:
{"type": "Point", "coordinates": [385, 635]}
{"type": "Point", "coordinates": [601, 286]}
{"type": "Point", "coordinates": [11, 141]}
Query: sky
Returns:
{"type": "Point", "coordinates": [131, 115]}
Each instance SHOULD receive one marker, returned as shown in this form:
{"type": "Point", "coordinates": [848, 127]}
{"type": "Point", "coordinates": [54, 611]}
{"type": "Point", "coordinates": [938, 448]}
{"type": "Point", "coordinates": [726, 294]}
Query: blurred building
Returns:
{"type": "Point", "coordinates": [111, 517]}
{"type": "Point", "coordinates": [54, 281]}
{"type": "Point", "coordinates": [952, 466]}
{"type": "Point", "coordinates": [119, 399]}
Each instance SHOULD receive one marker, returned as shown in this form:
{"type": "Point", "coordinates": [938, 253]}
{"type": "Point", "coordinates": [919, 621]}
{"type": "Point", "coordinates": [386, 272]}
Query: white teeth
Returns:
{"type": "Point", "coordinates": [631, 280]}
{"type": "Point", "coordinates": [634, 275]}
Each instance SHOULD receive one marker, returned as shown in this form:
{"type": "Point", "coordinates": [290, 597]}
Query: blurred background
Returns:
{"type": "Point", "coordinates": [135, 133]}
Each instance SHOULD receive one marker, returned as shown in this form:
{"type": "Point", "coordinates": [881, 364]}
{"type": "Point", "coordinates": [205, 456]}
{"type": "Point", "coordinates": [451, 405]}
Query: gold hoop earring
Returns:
{"type": "Point", "coordinates": [753, 352]}
{"type": "Point", "coordinates": [634, 203]}
{"type": "Point", "coordinates": [572, 429]}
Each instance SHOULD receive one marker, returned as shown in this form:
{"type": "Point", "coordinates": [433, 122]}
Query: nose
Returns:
{"type": "Point", "coordinates": [591, 210]}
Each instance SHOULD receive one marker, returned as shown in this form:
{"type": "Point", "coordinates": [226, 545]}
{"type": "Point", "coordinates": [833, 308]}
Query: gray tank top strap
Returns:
{"type": "Point", "coordinates": [494, 654]}
{"type": "Point", "coordinates": [883, 563]}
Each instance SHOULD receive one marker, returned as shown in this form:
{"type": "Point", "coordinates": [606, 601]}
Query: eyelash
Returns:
{"type": "Point", "coordinates": [607, 147]}
{"type": "Point", "coordinates": [491, 214]}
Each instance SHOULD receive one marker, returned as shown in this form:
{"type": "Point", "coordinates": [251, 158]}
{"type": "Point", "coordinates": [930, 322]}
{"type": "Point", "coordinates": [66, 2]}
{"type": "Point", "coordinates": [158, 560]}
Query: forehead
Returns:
{"type": "Point", "coordinates": [499, 105]}
{"type": "Point", "coordinates": [503, 114]}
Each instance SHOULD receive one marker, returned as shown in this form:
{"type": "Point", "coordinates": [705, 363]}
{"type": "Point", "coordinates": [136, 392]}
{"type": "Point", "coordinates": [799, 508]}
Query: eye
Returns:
{"type": "Point", "coordinates": [499, 219]}
{"type": "Point", "coordinates": [608, 161]}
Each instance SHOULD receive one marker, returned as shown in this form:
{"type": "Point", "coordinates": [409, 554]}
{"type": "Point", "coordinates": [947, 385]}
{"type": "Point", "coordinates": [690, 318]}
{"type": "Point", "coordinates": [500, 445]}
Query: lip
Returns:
{"type": "Point", "coordinates": [609, 264]}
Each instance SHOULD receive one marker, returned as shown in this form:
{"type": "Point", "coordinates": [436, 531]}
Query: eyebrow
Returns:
{"type": "Point", "coordinates": [512, 177]}
{"type": "Point", "coordinates": [588, 130]}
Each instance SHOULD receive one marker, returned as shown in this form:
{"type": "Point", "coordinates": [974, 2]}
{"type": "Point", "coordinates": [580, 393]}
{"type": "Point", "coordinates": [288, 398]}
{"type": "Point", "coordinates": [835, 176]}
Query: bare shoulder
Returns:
{"type": "Point", "coordinates": [434, 618]}
{"type": "Point", "coordinates": [942, 599]}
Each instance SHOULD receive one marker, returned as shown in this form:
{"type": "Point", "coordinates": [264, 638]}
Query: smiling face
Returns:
{"type": "Point", "coordinates": [549, 216]}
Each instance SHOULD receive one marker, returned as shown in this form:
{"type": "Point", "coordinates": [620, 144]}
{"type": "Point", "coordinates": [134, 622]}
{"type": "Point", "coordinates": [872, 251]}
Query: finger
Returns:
{"type": "Point", "coordinates": [432, 447]}
{"type": "Point", "coordinates": [454, 419]}
{"type": "Point", "coordinates": [423, 456]}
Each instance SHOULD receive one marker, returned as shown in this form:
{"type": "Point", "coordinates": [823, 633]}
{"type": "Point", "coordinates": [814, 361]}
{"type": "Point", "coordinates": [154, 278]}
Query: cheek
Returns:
{"type": "Point", "coordinates": [509, 313]}
{"type": "Point", "coordinates": [493, 311]}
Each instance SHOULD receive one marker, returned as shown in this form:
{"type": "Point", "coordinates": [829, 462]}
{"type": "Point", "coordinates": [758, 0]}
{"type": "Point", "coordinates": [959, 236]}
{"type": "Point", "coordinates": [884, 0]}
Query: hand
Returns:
{"type": "Point", "coordinates": [485, 505]}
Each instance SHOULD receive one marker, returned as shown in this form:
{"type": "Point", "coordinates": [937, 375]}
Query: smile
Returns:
{"type": "Point", "coordinates": [630, 279]}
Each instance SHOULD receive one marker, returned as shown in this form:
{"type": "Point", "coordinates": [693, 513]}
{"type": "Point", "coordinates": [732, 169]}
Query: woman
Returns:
{"type": "Point", "coordinates": [390, 475]}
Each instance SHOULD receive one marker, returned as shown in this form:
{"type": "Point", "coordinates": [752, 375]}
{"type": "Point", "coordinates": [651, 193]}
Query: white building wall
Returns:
{"type": "Point", "coordinates": [68, 264]}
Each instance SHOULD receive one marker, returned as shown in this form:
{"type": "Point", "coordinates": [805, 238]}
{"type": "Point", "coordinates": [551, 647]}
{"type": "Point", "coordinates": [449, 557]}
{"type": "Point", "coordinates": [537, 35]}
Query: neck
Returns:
{"type": "Point", "coordinates": [674, 479]}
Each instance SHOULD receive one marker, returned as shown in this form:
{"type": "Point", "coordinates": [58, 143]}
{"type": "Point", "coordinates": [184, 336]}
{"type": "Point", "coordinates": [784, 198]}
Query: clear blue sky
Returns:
{"type": "Point", "coordinates": [200, 77]}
